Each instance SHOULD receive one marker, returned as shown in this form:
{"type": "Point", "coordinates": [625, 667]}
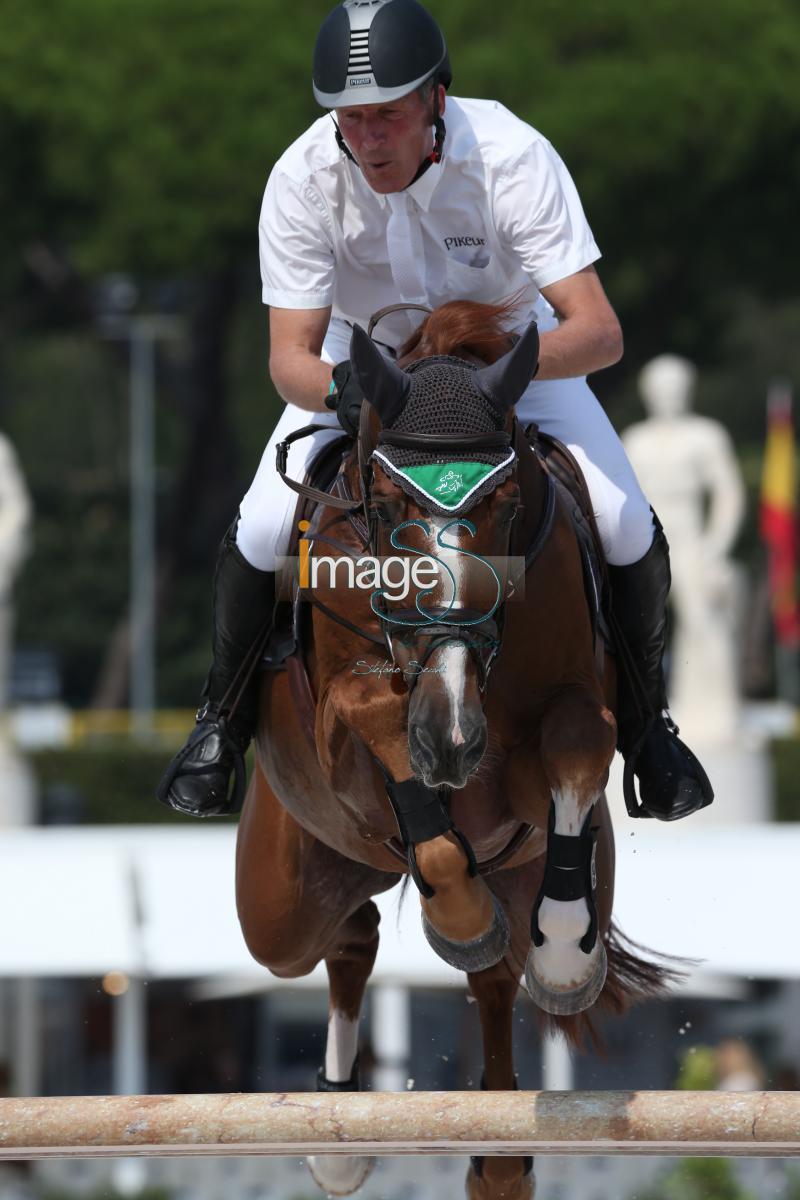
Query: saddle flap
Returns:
{"type": "Point", "coordinates": [572, 488]}
{"type": "Point", "coordinates": [323, 470]}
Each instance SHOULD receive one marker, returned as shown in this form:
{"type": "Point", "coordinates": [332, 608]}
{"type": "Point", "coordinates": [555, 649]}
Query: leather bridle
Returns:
{"type": "Point", "coordinates": [481, 635]}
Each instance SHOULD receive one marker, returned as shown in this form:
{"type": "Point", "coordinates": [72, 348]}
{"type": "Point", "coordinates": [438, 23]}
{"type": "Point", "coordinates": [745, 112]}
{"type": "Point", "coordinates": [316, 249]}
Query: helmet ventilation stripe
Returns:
{"type": "Point", "coordinates": [359, 63]}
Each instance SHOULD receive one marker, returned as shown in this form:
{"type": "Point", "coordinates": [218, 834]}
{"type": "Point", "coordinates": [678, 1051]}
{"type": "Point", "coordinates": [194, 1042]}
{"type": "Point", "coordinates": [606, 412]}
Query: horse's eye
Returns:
{"type": "Point", "coordinates": [381, 510]}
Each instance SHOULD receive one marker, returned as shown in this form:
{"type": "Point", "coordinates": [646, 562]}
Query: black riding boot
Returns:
{"type": "Point", "coordinates": [672, 783]}
{"type": "Point", "coordinates": [198, 780]}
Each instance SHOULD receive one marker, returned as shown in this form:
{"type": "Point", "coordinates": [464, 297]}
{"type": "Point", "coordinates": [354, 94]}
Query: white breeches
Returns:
{"type": "Point", "coordinates": [565, 408]}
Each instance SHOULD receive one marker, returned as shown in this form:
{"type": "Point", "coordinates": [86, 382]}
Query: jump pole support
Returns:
{"type": "Point", "coordinates": [753, 1124]}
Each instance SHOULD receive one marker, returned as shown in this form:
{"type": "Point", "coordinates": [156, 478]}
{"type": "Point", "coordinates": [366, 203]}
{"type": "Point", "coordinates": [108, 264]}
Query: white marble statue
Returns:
{"type": "Point", "coordinates": [16, 791]}
{"type": "Point", "coordinates": [688, 469]}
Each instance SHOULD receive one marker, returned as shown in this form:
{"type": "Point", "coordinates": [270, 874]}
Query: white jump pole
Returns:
{"type": "Point", "coordinates": [753, 1124]}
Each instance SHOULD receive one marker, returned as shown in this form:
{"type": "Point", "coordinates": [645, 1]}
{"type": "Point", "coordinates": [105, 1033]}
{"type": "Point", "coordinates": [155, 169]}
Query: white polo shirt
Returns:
{"type": "Point", "coordinates": [499, 215]}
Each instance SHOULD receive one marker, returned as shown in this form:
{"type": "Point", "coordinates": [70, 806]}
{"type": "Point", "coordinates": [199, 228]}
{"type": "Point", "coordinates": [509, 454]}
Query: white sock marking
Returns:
{"type": "Point", "coordinates": [570, 814]}
{"type": "Point", "coordinates": [341, 1047]}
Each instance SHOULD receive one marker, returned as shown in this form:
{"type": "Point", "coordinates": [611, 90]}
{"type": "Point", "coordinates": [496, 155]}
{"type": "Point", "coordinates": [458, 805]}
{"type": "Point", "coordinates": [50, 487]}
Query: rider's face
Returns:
{"type": "Point", "coordinates": [389, 141]}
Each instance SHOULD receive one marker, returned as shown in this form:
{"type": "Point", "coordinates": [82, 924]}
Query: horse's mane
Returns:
{"type": "Point", "coordinates": [464, 328]}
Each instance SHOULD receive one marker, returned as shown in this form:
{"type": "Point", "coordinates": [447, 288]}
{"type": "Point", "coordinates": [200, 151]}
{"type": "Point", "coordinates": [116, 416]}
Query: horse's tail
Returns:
{"type": "Point", "coordinates": [635, 973]}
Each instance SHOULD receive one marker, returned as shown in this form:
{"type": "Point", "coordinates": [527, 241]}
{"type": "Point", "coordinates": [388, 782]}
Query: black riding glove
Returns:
{"type": "Point", "coordinates": [347, 398]}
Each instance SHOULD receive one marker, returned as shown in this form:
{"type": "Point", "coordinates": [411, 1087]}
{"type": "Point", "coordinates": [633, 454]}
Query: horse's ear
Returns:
{"type": "Point", "coordinates": [504, 381]}
{"type": "Point", "coordinates": [384, 385]}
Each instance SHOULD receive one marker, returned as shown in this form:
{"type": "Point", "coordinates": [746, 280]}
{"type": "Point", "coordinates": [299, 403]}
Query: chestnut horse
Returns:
{"type": "Point", "coordinates": [478, 765]}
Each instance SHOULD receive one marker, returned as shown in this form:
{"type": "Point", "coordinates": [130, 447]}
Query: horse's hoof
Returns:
{"type": "Point", "coordinates": [499, 1177]}
{"type": "Point", "coordinates": [476, 954]}
{"type": "Point", "coordinates": [340, 1174]}
{"type": "Point", "coordinates": [565, 1002]}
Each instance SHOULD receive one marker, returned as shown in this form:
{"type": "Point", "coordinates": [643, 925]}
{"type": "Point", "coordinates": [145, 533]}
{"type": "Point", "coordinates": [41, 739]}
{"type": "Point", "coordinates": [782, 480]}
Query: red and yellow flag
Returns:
{"type": "Point", "coordinates": [778, 516]}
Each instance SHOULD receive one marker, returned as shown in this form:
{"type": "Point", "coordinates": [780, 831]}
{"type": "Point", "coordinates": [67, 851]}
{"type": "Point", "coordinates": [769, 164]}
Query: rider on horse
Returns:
{"type": "Point", "coordinates": [380, 201]}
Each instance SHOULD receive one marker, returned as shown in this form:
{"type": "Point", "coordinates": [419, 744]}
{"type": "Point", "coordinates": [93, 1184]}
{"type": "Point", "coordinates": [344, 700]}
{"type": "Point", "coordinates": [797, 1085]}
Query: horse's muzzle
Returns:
{"type": "Point", "coordinates": [440, 757]}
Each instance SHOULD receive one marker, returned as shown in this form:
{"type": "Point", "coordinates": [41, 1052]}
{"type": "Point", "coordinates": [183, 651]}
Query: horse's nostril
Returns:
{"type": "Point", "coordinates": [424, 737]}
{"type": "Point", "coordinates": [422, 742]}
{"type": "Point", "coordinates": [440, 759]}
{"type": "Point", "coordinates": [472, 752]}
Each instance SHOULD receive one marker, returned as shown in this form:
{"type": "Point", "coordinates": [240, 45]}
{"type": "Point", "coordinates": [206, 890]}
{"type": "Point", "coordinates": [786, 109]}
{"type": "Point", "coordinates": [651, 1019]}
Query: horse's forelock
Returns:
{"type": "Point", "coordinates": [465, 328]}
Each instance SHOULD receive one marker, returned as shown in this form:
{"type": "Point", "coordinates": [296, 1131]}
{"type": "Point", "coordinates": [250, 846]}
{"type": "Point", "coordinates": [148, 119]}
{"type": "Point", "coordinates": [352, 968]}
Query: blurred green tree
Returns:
{"type": "Point", "coordinates": [138, 138]}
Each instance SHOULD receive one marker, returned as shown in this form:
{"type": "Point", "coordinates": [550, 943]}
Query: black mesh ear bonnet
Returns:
{"type": "Point", "coordinates": [444, 401]}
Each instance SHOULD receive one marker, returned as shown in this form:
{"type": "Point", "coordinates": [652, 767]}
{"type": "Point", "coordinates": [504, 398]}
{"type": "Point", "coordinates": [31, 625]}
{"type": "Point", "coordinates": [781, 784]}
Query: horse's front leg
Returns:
{"type": "Point", "coordinates": [349, 960]}
{"type": "Point", "coordinates": [462, 920]}
{"type": "Point", "coordinates": [566, 966]}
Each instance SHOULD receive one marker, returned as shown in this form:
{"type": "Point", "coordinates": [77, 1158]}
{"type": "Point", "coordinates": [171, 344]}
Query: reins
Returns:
{"type": "Point", "coordinates": [282, 449]}
{"type": "Point", "coordinates": [304, 489]}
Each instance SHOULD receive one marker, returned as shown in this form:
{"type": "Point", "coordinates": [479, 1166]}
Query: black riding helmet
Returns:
{"type": "Point", "coordinates": [376, 51]}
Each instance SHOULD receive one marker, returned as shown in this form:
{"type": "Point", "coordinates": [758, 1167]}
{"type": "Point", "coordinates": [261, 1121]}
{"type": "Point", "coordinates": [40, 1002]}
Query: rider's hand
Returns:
{"type": "Point", "coordinates": [346, 399]}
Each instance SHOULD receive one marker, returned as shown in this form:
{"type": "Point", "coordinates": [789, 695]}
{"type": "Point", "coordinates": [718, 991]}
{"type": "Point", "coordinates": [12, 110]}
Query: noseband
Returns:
{"type": "Point", "coordinates": [480, 634]}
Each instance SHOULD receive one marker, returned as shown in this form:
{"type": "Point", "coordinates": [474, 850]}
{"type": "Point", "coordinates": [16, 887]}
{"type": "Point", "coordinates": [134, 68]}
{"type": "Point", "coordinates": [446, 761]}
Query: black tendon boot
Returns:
{"type": "Point", "coordinates": [198, 780]}
{"type": "Point", "coordinates": [672, 783]}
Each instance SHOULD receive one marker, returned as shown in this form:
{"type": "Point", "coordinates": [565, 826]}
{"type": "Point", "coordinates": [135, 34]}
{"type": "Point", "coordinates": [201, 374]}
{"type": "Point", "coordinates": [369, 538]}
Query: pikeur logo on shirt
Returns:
{"type": "Point", "coordinates": [450, 242]}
